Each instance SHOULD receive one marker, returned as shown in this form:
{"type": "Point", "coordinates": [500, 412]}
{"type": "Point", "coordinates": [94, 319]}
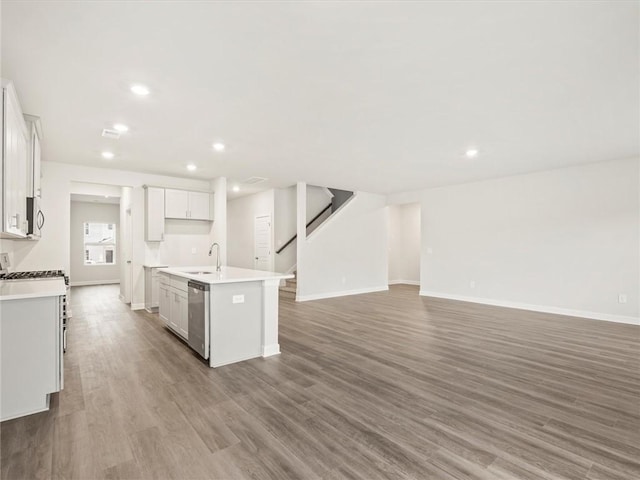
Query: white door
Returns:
{"type": "Point", "coordinates": [262, 243]}
{"type": "Point", "coordinates": [126, 245]}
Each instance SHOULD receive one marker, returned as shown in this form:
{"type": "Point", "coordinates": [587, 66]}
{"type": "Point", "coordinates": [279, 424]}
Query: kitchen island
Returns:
{"type": "Point", "coordinates": [226, 316]}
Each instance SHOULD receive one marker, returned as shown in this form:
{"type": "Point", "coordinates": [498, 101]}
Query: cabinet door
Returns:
{"type": "Point", "coordinates": [176, 203]}
{"type": "Point", "coordinates": [176, 311]}
{"type": "Point", "coordinates": [37, 158]}
{"type": "Point", "coordinates": [199, 205]}
{"type": "Point", "coordinates": [15, 166]}
{"type": "Point", "coordinates": [165, 304]}
{"type": "Point", "coordinates": [33, 157]}
{"type": "Point", "coordinates": [154, 214]}
{"type": "Point", "coordinates": [184, 315]}
{"type": "Point", "coordinates": [155, 290]}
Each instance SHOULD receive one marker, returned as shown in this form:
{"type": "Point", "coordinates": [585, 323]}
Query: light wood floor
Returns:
{"type": "Point", "coordinates": [384, 385]}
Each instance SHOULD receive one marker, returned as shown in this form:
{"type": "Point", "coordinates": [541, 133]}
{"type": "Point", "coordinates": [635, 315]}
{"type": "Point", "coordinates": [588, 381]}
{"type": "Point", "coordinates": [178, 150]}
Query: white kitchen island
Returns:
{"type": "Point", "coordinates": [241, 310]}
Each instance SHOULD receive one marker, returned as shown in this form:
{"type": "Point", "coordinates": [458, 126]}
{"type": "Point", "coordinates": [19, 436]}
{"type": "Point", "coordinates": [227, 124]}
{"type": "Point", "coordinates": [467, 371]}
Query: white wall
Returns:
{"type": "Point", "coordinates": [52, 250]}
{"type": "Point", "coordinates": [241, 214]}
{"type": "Point", "coordinates": [219, 230]}
{"type": "Point", "coordinates": [79, 273]}
{"type": "Point", "coordinates": [348, 253]}
{"type": "Point", "coordinates": [317, 199]}
{"type": "Point", "coordinates": [565, 240]}
{"type": "Point", "coordinates": [404, 244]}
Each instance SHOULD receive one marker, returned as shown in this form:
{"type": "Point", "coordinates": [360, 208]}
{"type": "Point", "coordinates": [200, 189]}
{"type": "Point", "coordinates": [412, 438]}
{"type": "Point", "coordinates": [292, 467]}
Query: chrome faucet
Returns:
{"type": "Point", "coordinates": [214, 244]}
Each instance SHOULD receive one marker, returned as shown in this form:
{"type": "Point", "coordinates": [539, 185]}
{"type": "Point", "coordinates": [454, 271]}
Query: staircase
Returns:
{"type": "Point", "coordinates": [289, 288]}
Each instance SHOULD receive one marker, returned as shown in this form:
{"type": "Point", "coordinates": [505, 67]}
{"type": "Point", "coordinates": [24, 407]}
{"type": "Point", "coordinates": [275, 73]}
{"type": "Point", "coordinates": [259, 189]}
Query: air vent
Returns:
{"type": "Point", "coordinates": [108, 133]}
{"type": "Point", "coordinates": [253, 180]}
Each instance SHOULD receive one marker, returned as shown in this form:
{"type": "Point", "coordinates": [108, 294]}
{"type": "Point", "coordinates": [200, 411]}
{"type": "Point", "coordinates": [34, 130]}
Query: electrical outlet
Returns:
{"type": "Point", "coordinates": [344, 280]}
{"type": "Point", "coordinates": [429, 250]}
{"type": "Point", "coordinates": [238, 299]}
{"type": "Point", "coordinates": [472, 284]}
{"type": "Point", "coordinates": [193, 250]}
{"type": "Point", "coordinates": [622, 298]}
{"type": "Point", "coordinates": [4, 261]}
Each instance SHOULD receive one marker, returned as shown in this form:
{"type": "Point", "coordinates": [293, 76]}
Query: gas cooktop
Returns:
{"type": "Point", "coordinates": [35, 275]}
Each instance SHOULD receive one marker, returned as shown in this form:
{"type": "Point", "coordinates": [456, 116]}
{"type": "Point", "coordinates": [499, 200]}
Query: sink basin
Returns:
{"type": "Point", "coordinates": [199, 273]}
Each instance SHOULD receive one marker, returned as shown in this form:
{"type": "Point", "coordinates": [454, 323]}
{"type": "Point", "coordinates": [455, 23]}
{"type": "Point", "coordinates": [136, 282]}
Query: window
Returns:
{"type": "Point", "coordinates": [99, 243]}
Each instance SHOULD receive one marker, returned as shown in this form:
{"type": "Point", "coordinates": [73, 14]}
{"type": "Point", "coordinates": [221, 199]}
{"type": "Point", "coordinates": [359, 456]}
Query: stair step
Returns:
{"type": "Point", "coordinates": [287, 293]}
{"type": "Point", "coordinates": [288, 289]}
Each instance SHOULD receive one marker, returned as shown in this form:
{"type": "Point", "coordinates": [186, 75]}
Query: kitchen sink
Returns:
{"type": "Point", "coordinates": [199, 273]}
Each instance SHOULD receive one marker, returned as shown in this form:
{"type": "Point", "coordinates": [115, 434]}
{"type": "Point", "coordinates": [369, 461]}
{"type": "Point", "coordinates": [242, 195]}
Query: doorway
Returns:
{"type": "Point", "coordinates": [101, 237]}
{"type": "Point", "coordinates": [262, 243]}
{"type": "Point", "coordinates": [404, 244]}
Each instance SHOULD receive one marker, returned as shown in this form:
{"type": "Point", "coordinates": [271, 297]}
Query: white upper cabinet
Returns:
{"type": "Point", "coordinates": [176, 203]}
{"type": "Point", "coordinates": [15, 154]}
{"type": "Point", "coordinates": [34, 156]}
{"type": "Point", "coordinates": [154, 214]}
{"type": "Point", "coordinates": [199, 204]}
{"type": "Point", "coordinates": [187, 205]}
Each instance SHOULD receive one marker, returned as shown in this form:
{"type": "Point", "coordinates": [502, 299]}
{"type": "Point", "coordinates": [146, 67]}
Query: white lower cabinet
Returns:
{"type": "Point", "coordinates": [31, 354]}
{"type": "Point", "coordinates": [174, 304]}
{"type": "Point", "coordinates": [152, 287]}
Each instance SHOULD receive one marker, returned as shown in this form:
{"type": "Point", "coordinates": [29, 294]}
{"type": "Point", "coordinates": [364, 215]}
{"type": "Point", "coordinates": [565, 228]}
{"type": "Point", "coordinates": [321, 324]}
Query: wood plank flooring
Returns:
{"type": "Point", "coordinates": [383, 385]}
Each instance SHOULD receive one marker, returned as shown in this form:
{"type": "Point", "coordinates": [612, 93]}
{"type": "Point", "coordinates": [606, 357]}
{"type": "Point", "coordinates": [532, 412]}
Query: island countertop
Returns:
{"type": "Point", "coordinates": [226, 275]}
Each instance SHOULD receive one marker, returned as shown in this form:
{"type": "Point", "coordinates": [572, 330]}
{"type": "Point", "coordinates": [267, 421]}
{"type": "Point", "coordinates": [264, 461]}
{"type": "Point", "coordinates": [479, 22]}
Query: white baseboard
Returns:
{"type": "Point", "coordinates": [536, 308]}
{"type": "Point", "coordinates": [344, 293]}
{"type": "Point", "coordinates": [137, 306]}
{"type": "Point", "coordinates": [404, 282]}
{"type": "Point", "coordinates": [270, 350]}
{"type": "Point", "coordinates": [93, 282]}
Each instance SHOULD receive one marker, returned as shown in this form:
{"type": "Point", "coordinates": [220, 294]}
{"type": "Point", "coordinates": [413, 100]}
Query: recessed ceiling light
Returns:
{"type": "Point", "coordinates": [191, 167]}
{"type": "Point", "coordinates": [236, 188]}
{"type": "Point", "coordinates": [108, 155]}
{"type": "Point", "coordinates": [471, 153]}
{"type": "Point", "coordinates": [120, 127]}
{"type": "Point", "coordinates": [140, 90]}
{"type": "Point", "coordinates": [106, 196]}
{"type": "Point", "coordinates": [218, 147]}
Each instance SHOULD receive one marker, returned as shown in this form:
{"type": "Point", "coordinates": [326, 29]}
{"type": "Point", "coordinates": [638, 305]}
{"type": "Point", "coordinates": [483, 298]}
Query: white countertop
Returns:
{"type": "Point", "coordinates": [227, 275]}
{"type": "Point", "coordinates": [155, 266]}
{"type": "Point", "coordinates": [18, 289]}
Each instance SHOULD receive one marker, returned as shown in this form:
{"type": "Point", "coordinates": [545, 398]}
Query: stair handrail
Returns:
{"type": "Point", "coordinates": [290, 241]}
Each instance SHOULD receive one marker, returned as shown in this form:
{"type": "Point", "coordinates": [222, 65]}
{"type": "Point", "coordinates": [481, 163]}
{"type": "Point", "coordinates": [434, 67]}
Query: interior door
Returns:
{"type": "Point", "coordinates": [262, 241]}
{"type": "Point", "coordinates": [126, 245]}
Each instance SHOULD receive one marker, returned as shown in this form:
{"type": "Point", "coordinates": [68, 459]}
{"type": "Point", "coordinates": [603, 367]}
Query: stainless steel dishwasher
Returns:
{"type": "Point", "coordinates": [199, 317]}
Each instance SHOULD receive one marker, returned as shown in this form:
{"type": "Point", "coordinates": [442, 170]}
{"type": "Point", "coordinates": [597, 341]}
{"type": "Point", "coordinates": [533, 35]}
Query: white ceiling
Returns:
{"type": "Point", "coordinates": [373, 96]}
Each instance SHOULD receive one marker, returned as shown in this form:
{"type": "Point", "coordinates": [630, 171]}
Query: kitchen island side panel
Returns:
{"type": "Point", "coordinates": [236, 328]}
{"type": "Point", "coordinates": [31, 359]}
